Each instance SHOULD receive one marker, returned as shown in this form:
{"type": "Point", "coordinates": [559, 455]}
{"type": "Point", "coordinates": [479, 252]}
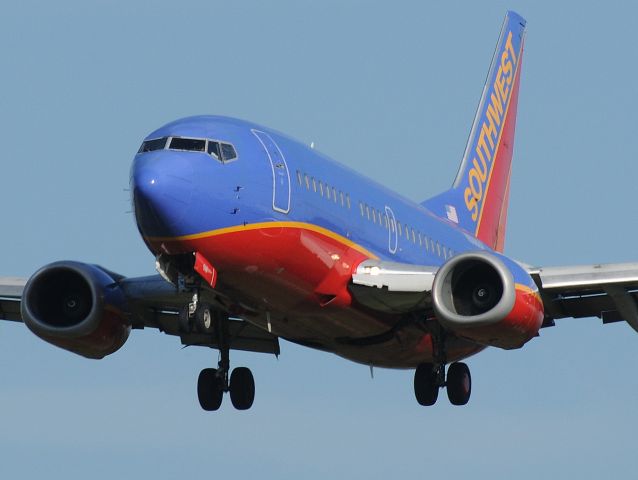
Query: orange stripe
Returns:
{"type": "Point", "coordinates": [527, 290]}
{"type": "Point", "coordinates": [267, 225]}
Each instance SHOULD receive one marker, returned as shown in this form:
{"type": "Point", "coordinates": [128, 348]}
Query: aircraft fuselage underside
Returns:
{"type": "Point", "coordinates": [296, 279]}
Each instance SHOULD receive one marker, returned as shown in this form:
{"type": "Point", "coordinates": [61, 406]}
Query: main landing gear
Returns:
{"type": "Point", "coordinates": [428, 378]}
{"type": "Point", "coordinates": [214, 382]}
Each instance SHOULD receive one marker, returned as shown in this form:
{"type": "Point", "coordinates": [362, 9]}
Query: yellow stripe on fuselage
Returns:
{"type": "Point", "coordinates": [268, 225]}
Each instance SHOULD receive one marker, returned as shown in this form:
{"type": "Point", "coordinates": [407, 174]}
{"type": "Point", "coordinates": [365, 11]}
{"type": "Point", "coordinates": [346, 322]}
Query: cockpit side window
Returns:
{"type": "Point", "coordinates": [189, 144]}
{"type": "Point", "coordinates": [228, 152]}
{"type": "Point", "coordinates": [155, 144]}
{"type": "Point", "coordinates": [213, 149]}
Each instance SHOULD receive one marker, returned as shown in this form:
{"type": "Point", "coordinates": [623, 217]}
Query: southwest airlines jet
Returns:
{"type": "Point", "coordinates": [258, 237]}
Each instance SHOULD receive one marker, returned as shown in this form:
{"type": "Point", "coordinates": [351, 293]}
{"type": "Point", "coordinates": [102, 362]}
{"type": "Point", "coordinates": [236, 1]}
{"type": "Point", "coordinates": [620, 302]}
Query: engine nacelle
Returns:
{"type": "Point", "coordinates": [77, 307]}
{"type": "Point", "coordinates": [475, 295]}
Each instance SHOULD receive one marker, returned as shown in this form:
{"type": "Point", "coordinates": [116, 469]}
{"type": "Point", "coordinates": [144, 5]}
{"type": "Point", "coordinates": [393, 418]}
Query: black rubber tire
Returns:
{"type": "Point", "coordinates": [204, 319]}
{"type": "Point", "coordinates": [426, 389]}
{"type": "Point", "coordinates": [459, 383]}
{"type": "Point", "coordinates": [209, 391]}
{"type": "Point", "coordinates": [242, 388]}
{"type": "Point", "coordinates": [184, 320]}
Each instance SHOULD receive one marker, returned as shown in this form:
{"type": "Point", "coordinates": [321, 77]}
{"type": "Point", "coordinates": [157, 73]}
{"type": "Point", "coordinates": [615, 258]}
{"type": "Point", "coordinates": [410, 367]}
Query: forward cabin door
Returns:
{"type": "Point", "coordinates": [393, 233]}
{"type": "Point", "coordinates": [280, 173]}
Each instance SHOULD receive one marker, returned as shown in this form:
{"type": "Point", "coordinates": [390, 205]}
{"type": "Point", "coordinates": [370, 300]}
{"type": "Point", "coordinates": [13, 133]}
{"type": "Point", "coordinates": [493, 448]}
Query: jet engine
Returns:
{"type": "Point", "coordinates": [475, 296]}
{"type": "Point", "coordinates": [77, 307]}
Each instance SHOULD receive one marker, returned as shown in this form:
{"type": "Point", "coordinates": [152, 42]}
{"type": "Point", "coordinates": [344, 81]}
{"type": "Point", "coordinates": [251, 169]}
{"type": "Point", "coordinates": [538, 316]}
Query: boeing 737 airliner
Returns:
{"type": "Point", "coordinates": [258, 237]}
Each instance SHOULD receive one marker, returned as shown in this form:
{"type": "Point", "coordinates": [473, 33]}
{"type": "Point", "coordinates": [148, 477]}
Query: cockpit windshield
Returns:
{"type": "Point", "coordinates": [189, 144]}
{"type": "Point", "coordinates": [156, 144]}
{"type": "Point", "coordinates": [221, 151]}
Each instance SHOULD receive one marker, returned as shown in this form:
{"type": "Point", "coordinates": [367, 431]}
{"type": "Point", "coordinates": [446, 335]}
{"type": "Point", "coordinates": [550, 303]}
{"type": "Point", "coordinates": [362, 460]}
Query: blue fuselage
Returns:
{"type": "Point", "coordinates": [189, 195]}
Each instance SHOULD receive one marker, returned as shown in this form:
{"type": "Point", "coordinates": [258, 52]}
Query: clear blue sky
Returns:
{"type": "Point", "coordinates": [389, 89]}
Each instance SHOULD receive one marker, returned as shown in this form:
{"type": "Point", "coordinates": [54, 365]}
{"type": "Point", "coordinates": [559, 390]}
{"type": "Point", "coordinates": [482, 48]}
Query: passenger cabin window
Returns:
{"type": "Point", "coordinates": [188, 144]}
{"type": "Point", "coordinates": [155, 144]}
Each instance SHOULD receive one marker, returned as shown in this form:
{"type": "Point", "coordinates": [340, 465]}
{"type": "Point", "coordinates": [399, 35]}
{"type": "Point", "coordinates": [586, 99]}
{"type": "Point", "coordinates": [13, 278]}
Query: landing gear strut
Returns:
{"type": "Point", "coordinates": [429, 377]}
{"type": "Point", "coordinates": [214, 382]}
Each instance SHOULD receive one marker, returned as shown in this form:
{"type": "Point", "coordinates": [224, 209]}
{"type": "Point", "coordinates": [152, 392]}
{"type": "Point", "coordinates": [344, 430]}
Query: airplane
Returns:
{"type": "Point", "coordinates": [258, 237]}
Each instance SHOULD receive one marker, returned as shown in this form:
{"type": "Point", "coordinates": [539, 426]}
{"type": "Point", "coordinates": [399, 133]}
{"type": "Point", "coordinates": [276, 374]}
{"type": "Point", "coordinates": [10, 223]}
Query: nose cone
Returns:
{"type": "Point", "coordinates": [162, 184]}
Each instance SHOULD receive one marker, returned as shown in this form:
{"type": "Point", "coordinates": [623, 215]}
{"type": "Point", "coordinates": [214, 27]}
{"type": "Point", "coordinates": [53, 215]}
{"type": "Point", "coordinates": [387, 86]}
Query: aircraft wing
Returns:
{"type": "Point", "coordinates": [10, 294]}
{"type": "Point", "coordinates": [154, 303]}
{"type": "Point", "coordinates": [608, 291]}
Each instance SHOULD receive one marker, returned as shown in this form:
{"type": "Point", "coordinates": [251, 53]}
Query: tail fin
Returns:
{"type": "Point", "coordinates": [478, 199]}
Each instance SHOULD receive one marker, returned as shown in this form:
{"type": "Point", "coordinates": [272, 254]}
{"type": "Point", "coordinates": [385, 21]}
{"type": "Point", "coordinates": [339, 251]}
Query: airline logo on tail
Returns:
{"type": "Point", "coordinates": [487, 139]}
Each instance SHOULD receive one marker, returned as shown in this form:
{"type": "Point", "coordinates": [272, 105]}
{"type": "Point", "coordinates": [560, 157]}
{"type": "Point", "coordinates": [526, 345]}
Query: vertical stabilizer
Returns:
{"type": "Point", "coordinates": [478, 199]}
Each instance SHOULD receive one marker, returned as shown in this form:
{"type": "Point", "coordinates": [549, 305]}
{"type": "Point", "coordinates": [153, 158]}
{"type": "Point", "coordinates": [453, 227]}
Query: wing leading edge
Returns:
{"type": "Point", "coordinates": [10, 293]}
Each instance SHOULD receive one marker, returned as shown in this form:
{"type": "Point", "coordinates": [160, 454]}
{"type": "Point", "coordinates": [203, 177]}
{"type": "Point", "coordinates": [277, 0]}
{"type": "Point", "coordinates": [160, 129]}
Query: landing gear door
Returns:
{"type": "Point", "coordinates": [280, 173]}
{"type": "Point", "coordinates": [393, 233]}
